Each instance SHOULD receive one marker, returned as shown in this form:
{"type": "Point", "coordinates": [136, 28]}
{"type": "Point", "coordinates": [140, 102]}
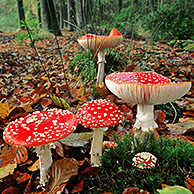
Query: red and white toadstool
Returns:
{"type": "Point", "coordinates": [39, 130]}
{"type": "Point", "coordinates": [99, 43]}
{"type": "Point", "coordinates": [99, 114]}
{"type": "Point", "coordinates": [145, 89]}
{"type": "Point", "coordinates": [144, 160]}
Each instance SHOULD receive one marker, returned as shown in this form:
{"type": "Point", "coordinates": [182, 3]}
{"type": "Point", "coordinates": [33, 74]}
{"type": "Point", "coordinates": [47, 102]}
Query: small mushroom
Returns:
{"type": "Point", "coordinates": [99, 114]}
{"type": "Point", "coordinates": [145, 89]}
{"type": "Point", "coordinates": [99, 43]}
{"type": "Point", "coordinates": [144, 160]}
{"type": "Point", "coordinates": [39, 130]}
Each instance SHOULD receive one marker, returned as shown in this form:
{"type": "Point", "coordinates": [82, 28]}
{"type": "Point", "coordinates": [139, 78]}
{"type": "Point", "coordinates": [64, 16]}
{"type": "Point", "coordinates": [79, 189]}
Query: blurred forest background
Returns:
{"type": "Point", "coordinates": [150, 19]}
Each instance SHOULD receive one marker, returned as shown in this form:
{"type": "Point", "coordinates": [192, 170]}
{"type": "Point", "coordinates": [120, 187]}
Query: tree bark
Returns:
{"type": "Point", "coordinates": [21, 14]}
{"type": "Point", "coordinates": [70, 15]}
{"type": "Point", "coordinates": [78, 10]}
{"type": "Point", "coordinates": [120, 5]}
{"type": "Point", "coordinates": [39, 14]}
{"type": "Point", "coordinates": [50, 21]}
{"type": "Point", "coordinates": [62, 13]}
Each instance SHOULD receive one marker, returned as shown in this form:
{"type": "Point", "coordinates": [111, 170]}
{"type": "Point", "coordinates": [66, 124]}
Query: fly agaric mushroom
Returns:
{"type": "Point", "coordinates": [144, 160]}
{"type": "Point", "coordinates": [99, 114]}
{"type": "Point", "coordinates": [39, 130]}
{"type": "Point", "coordinates": [145, 89]}
{"type": "Point", "coordinates": [99, 43]}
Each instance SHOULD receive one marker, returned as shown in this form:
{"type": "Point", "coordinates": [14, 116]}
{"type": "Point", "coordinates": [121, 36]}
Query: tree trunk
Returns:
{"type": "Point", "coordinates": [21, 14]}
{"type": "Point", "coordinates": [120, 5]}
{"type": "Point", "coordinates": [50, 21]}
{"type": "Point", "coordinates": [101, 11]}
{"type": "Point", "coordinates": [70, 15]}
{"type": "Point", "coordinates": [78, 10]}
{"type": "Point", "coordinates": [62, 13]}
{"type": "Point", "coordinates": [87, 13]}
{"type": "Point", "coordinates": [39, 14]}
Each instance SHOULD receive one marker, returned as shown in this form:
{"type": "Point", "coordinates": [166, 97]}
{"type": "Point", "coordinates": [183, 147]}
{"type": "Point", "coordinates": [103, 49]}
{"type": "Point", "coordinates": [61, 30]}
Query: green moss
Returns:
{"type": "Point", "coordinates": [175, 162]}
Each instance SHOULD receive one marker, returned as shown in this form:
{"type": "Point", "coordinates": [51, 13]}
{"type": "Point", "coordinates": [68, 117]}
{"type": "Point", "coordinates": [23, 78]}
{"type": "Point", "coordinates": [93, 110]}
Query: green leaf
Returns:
{"type": "Point", "coordinates": [60, 102]}
{"type": "Point", "coordinates": [174, 190]}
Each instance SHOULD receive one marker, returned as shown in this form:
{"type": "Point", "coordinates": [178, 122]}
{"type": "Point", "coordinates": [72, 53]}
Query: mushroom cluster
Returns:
{"type": "Point", "coordinates": [144, 160]}
{"type": "Point", "coordinates": [39, 130]}
{"type": "Point", "coordinates": [97, 43]}
{"type": "Point", "coordinates": [99, 115]}
{"type": "Point", "coordinates": [145, 89]}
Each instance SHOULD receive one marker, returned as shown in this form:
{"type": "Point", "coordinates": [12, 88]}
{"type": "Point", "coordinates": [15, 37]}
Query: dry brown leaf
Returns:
{"type": "Point", "coordinates": [61, 171]}
{"type": "Point", "coordinates": [13, 155]}
{"type": "Point", "coordinates": [4, 110]}
{"type": "Point", "coordinates": [35, 166]}
{"type": "Point", "coordinates": [76, 93]}
{"type": "Point", "coordinates": [180, 128]}
{"type": "Point", "coordinates": [11, 190]}
{"type": "Point", "coordinates": [21, 177]}
{"type": "Point", "coordinates": [59, 149]}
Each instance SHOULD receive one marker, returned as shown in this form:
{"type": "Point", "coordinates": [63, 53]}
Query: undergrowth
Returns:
{"type": "Point", "coordinates": [175, 163]}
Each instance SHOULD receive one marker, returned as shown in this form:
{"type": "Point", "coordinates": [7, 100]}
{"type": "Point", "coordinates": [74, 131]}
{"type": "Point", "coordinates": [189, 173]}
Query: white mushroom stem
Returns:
{"type": "Point", "coordinates": [96, 147]}
{"type": "Point", "coordinates": [101, 64]}
{"type": "Point", "coordinates": [145, 118]}
{"type": "Point", "coordinates": [45, 161]}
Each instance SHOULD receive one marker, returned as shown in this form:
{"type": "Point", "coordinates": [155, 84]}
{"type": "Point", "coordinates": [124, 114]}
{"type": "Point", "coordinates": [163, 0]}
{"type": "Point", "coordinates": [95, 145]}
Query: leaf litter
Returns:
{"type": "Point", "coordinates": [29, 83]}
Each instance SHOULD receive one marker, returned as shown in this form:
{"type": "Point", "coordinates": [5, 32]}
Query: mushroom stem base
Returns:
{"type": "Point", "coordinates": [45, 161]}
{"type": "Point", "coordinates": [101, 62]}
{"type": "Point", "coordinates": [145, 118]}
{"type": "Point", "coordinates": [96, 147]}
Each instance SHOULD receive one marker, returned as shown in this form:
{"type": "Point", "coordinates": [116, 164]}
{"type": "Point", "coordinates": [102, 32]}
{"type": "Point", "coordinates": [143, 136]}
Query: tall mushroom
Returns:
{"type": "Point", "coordinates": [39, 130]}
{"type": "Point", "coordinates": [99, 114]}
{"type": "Point", "coordinates": [145, 89]}
{"type": "Point", "coordinates": [97, 44]}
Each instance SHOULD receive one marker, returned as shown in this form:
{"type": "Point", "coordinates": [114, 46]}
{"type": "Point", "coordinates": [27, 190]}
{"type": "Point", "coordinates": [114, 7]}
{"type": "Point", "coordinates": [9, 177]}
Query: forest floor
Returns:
{"type": "Point", "coordinates": [26, 80]}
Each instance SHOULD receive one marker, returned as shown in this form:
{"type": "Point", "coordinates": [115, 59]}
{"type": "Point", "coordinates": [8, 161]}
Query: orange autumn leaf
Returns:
{"type": "Point", "coordinates": [79, 187]}
{"type": "Point", "coordinates": [25, 99]}
{"type": "Point", "coordinates": [21, 177]}
{"type": "Point", "coordinates": [190, 184]}
{"type": "Point", "coordinates": [35, 166]}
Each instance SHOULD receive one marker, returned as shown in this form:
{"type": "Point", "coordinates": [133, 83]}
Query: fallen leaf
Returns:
{"type": "Point", "coordinates": [59, 149]}
{"type": "Point", "coordinates": [180, 128]}
{"type": "Point", "coordinates": [4, 110]}
{"type": "Point", "coordinates": [77, 139]}
{"type": "Point", "coordinates": [77, 92]}
{"type": "Point", "coordinates": [7, 170]}
{"type": "Point", "coordinates": [21, 177]}
{"type": "Point", "coordinates": [25, 99]}
{"type": "Point", "coordinates": [159, 116]}
{"type": "Point", "coordinates": [35, 166]}
{"type": "Point", "coordinates": [131, 190]}
{"type": "Point", "coordinates": [60, 102]}
{"type": "Point", "coordinates": [61, 171]}
{"type": "Point", "coordinates": [190, 184]}
{"type": "Point", "coordinates": [79, 187]}
{"type": "Point", "coordinates": [13, 155]}
{"type": "Point", "coordinates": [11, 190]}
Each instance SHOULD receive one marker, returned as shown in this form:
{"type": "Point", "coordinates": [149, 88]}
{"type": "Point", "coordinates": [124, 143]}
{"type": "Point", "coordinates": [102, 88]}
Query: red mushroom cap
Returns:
{"type": "Point", "coordinates": [95, 42]}
{"type": "Point", "coordinates": [145, 87]}
{"type": "Point", "coordinates": [99, 113]}
{"type": "Point", "coordinates": [41, 127]}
